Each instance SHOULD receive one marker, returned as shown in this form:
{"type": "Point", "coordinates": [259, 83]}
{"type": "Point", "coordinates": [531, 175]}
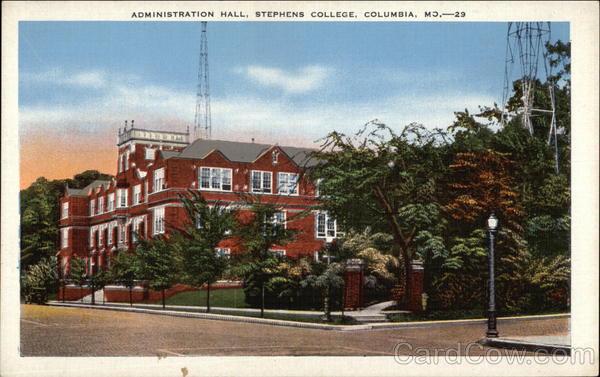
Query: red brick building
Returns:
{"type": "Point", "coordinates": [155, 167]}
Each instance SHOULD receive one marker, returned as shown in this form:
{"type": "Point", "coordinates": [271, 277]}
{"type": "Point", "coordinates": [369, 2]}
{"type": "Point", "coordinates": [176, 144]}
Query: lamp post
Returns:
{"type": "Point", "coordinates": [492, 223]}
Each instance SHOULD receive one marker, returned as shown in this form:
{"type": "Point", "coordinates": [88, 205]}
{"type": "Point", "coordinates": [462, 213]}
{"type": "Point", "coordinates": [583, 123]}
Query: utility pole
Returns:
{"type": "Point", "coordinates": [202, 119]}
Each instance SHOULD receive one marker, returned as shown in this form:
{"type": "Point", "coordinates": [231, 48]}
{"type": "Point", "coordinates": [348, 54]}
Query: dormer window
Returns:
{"type": "Point", "coordinates": [261, 181]}
{"type": "Point", "coordinates": [150, 154]}
{"type": "Point", "coordinates": [92, 207]}
{"type": "Point", "coordinates": [287, 183]}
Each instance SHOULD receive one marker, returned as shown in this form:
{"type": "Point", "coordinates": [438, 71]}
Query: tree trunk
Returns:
{"type": "Point", "coordinates": [207, 297]}
{"type": "Point", "coordinates": [262, 301]}
{"type": "Point", "coordinates": [163, 298]}
{"type": "Point", "coordinates": [131, 295]}
{"type": "Point", "coordinates": [93, 295]}
{"type": "Point", "coordinates": [327, 305]}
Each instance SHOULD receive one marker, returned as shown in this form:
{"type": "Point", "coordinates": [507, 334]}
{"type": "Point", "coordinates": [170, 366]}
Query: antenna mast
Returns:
{"type": "Point", "coordinates": [202, 119]}
{"type": "Point", "coordinates": [525, 43]}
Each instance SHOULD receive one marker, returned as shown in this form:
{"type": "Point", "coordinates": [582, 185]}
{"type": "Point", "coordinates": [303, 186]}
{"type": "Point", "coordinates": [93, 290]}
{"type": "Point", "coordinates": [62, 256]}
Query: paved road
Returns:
{"type": "Point", "coordinates": [55, 331]}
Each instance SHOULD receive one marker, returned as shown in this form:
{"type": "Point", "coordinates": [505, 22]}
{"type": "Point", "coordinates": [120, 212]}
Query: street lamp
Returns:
{"type": "Point", "coordinates": [492, 223]}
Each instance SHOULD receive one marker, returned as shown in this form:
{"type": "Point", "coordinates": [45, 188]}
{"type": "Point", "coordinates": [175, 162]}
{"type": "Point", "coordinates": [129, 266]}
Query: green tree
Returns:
{"type": "Point", "coordinates": [77, 273]}
{"type": "Point", "coordinates": [124, 270]}
{"type": "Point", "coordinates": [40, 280]}
{"type": "Point", "coordinates": [385, 180]}
{"type": "Point", "coordinates": [157, 264]}
{"type": "Point", "coordinates": [329, 279]}
{"type": "Point", "coordinates": [260, 232]}
{"type": "Point", "coordinates": [97, 282]}
{"type": "Point", "coordinates": [205, 228]}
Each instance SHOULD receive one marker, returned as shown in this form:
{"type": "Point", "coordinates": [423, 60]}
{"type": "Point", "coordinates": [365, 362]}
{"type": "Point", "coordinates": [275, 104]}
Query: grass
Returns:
{"type": "Point", "coordinates": [227, 298]}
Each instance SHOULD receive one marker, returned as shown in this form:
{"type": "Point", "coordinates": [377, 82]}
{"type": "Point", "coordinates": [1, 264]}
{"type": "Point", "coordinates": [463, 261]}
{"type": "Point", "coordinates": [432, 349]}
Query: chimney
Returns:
{"type": "Point", "coordinates": [125, 129]}
{"type": "Point", "coordinates": [252, 140]}
{"type": "Point", "coordinates": [132, 123]}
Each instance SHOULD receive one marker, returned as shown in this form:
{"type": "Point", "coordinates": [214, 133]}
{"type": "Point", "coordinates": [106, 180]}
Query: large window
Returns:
{"type": "Point", "coordinates": [65, 210]}
{"type": "Point", "coordinates": [100, 205]}
{"type": "Point", "coordinates": [65, 238]}
{"type": "Point", "coordinates": [137, 194]}
{"type": "Point", "coordinates": [261, 181]}
{"type": "Point", "coordinates": [159, 220]}
{"type": "Point", "coordinates": [159, 179]}
{"type": "Point", "coordinates": [92, 207]}
{"type": "Point", "coordinates": [218, 179]}
{"type": "Point", "coordinates": [111, 202]}
{"type": "Point", "coordinates": [287, 183]}
{"type": "Point", "coordinates": [326, 225]}
{"type": "Point", "coordinates": [280, 253]}
{"type": "Point", "coordinates": [121, 198]}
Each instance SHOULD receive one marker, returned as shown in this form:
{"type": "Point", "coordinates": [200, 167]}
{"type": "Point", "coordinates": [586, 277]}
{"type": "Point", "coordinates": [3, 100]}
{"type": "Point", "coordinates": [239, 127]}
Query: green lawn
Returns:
{"type": "Point", "coordinates": [227, 298]}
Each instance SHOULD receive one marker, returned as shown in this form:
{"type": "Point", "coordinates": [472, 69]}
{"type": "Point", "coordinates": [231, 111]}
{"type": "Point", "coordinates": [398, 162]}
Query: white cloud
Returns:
{"type": "Point", "coordinates": [242, 117]}
{"type": "Point", "coordinates": [94, 79]}
{"type": "Point", "coordinates": [304, 80]}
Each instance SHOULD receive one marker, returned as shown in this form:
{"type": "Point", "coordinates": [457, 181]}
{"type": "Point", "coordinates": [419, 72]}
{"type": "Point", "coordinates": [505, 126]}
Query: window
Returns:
{"type": "Point", "coordinates": [65, 238]}
{"type": "Point", "coordinates": [65, 210]}
{"type": "Point", "coordinates": [100, 205]}
{"type": "Point", "coordinates": [159, 220]}
{"type": "Point", "coordinates": [223, 252]}
{"type": "Point", "coordinates": [109, 239]}
{"type": "Point", "coordinates": [126, 161]}
{"type": "Point", "coordinates": [326, 225]}
{"type": "Point", "coordinates": [122, 233]}
{"type": "Point", "coordinates": [137, 194]}
{"type": "Point", "coordinates": [150, 154]}
{"type": "Point", "coordinates": [92, 231]}
{"type": "Point", "coordinates": [274, 223]}
{"type": "Point", "coordinates": [92, 207]}
{"type": "Point", "coordinates": [199, 221]}
{"type": "Point", "coordinates": [100, 236]}
{"type": "Point", "coordinates": [261, 181]}
{"type": "Point", "coordinates": [215, 179]}
{"type": "Point", "coordinates": [159, 179]}
{"type": "Point", "coordinates": [280, 253]}
{"type": "Point", "coordinates": [120, 167]}
{"type": "Point", "coordinates": [121, 198]}
{"type": "Point", "coordinates": [317, 187]}
{"type": "Point", "coordinates": [111, 202]}
{"type": "Point", "coordinates": [287, 183]}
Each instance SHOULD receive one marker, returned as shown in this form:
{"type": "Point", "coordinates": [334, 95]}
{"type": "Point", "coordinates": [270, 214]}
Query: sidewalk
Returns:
{"type": "Point", "coordinates": [198, 312]}
{"type": "Point", "coordinates": [553, 344]}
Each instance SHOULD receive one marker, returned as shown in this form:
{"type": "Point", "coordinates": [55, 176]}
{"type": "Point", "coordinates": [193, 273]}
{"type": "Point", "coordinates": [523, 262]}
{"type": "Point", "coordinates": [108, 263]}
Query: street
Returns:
{"type": "Point", "coordinates": [54, 331]}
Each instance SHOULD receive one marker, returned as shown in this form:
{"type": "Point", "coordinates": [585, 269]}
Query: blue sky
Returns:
{"type": "Point", "coordinates": [275, 81]}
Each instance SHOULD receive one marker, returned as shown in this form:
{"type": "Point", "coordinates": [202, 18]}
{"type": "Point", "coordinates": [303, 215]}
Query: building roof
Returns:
{"type": "Point", "coordinates": [240, 152]}
{"type": "Point", "coordinates": [84, 191]}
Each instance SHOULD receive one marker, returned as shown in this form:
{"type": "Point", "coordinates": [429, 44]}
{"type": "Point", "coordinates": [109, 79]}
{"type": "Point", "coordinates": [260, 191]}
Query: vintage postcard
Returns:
{"type": "Point", "coordinates": [299, 188]}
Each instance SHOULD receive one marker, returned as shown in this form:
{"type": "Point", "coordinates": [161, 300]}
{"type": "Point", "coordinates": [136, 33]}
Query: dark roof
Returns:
{"type": "Point", "coordinates": [84, 191]}
{"type": "Point", "coordinates": [168, 154]}
{"type": "Point", "coordinates": [241, 152]}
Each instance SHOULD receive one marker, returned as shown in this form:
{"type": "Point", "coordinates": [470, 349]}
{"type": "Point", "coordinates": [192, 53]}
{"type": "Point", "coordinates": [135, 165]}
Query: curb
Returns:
{"type": "Point", "coordinates": [551, 349]}
{"type": "Point", "coordinates": [308, 325]}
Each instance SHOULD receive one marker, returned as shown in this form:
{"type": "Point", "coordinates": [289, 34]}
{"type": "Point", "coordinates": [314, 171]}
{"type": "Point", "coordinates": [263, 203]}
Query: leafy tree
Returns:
{"type": "Point", "coordinates": [157, 264]}
{"type": "Point", "coordinates": [124, 270]}
{"type": "Point", "coordinates": [77, 273]}
{"type": "Point", "coordinates": [482, 184]}
{"type": "Point", "coordinates": [40, 280]}
{"type": "Point", "coordinates": [385, 180]}
{"type": "Point", "coordinates": [259, 232]}
{"type": "Point", "coordinates": [288, 277]}
{"type": "Point", "coordinates": [205, 228]}
{"type": "Point", "coordinates": [330, 278]}
{"type": "Point", "coordinates": [97, 282]}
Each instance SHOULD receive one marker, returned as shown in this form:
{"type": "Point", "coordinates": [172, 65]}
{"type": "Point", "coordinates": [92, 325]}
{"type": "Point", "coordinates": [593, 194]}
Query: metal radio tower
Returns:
{"type": "Point", "coordinates": [202, 121]}
{"type": "Point", "coordinates": [525, 44]}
